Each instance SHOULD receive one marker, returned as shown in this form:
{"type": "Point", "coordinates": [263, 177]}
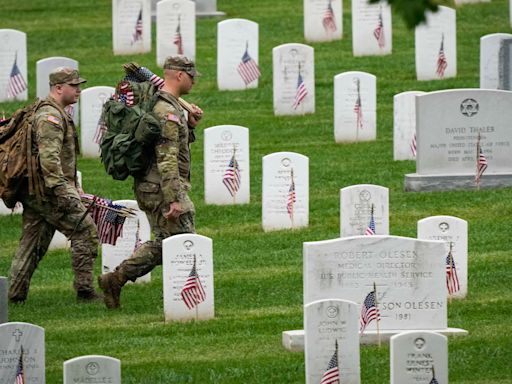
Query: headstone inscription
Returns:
{"type": "Point", "coordinates": [419, 357]}
{"type": "Point", "coordinates": [491, 47]}
{"type": "Point", "coordinates": [371, 28]}
{"type": "Point", "coordinates": [23, 346]}
{"type": "Point", "coordinates": [285, 198]}
{"type": "Point", "coordinates": [331, 342]}
{"type": "Point", "coordinates": [188, 278]}
{"type": "Point", "coordinates": [464, 140]}
{"type": "Point", "coordinates": [293, 79]}
{"type": "Point", "coordinates": [323, 20]}
{"type": "Point", "coordinates": [404, 125]}
{"type": "Point", "coordinates": [226, 165]}
{"type": "Point", "coordinates": [131, 26]}
{"type": "Point", "coordinates": [92, 369]}
{"type": "Point", "coordinates": [13, 65]}
{"type": "Point", "coordinates": [355, 106]}
{"type": "Point", "coordinates": [362, 205]}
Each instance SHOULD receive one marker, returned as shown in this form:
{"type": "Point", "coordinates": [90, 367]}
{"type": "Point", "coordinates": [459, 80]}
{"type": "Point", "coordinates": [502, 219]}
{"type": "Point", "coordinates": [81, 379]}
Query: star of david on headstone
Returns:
{"type": "Point", "coordinates": [469, 107]}
{"type": "Point", "coordinates": [17, 334]}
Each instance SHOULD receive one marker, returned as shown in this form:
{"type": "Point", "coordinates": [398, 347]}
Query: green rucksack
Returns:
{"type": "Point", "coordinates": [126, 145]}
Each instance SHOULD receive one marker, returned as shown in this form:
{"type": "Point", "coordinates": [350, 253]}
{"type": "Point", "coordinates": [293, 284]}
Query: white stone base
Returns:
{"type": "Point", "coordinates": [418, 183]}
{"type": "Point", "coordinates": [293, 341]}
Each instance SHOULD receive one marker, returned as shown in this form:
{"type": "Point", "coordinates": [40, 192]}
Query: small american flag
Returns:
{"type": "Point", "coordinates": [112, 225]}
{"type": "Point", "coordinates": [378, 32]}
{"type": "Point", "coordinates": [329, 22]}
{"type": "Point", "coordinates": [413, 145]}
{"type": "Point", "coordinates": [20, 374]}
{"type": "Point", "coordinates": [332, 374]}
{"type": "Point", "coordinates": [232, 177]}
{"type": "Point", "coordinates": [369, 311]}
{"type": "Point", "coordinates": [441, 60]}
{"type": "Point", "coordinates": [156, 80]}
{"type": "Point", "coordinates": [178, 40]}
{"type": "Point", "coordinates": [125, 93]}
{"type": "Point", "coordinates": [248, 69]}
{"type": "Point", "coordinates": [301, 92]}
{"type": "Point", "coordinates": [101, 129]}
{"type": "Point", "coordinates": [481, 161]}
{"type": "Point", "coordinates": [292, 198]}
{"type": "Point", "coordinates": [192, 292]}
{"type": "Point", "coordinates": [358, 109]}
{"type": "Point", "coordinates": [137, 32]}
{"type": "Point", "coordinates": [370, 229]}
{"type": "Point", "coordinates": [433, 381]}
{"type": "Point", "coordinates": [452, 280]}
{"type": "Point", "coordinates": [17, 83]}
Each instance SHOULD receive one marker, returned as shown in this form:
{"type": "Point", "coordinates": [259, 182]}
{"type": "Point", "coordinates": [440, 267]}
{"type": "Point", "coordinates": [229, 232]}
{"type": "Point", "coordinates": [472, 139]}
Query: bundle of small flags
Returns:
{"type": "Point", "coordinates": [108, 217]}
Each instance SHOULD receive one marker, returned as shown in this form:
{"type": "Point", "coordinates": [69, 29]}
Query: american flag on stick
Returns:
{"type": "Point", "coordinates": [378, 32]}
{"type": "Point", "coordinates": [292, 198]}
{"type": "Point", "coordinates": [192, 292]}
{"type": "Point", "coordinates": [20, 372]}
{"type": "Point", "coordinates": [332, 374]}
{"type": "Point", "coordinates": [301, 92]}
{"type": "Point", "coordinates": [178, 39]}
{"type": "Point", "coordinates": [137, 32]}
{"type": "Point", "coordinates": [370, 229]}
{"type": "Point", "coordinates": [248, 68]}
{"type": "Point", "coordinates": [434, 380]}
{"type": "Point", "coordinates": [101, 129]}
{"type": "Point", "coordinates": [17, 83]}
{"type": "Point", "coordinates": [441, 59]}
{"type": "Point", "coordinates": [369, 310]}
{"type": "Point", "coordinates": [156, 80]}
{"type": "Point", "coordinates": [452, 280]}
{"type": "Point", "coordinates": [329, 22]}
{"type": "Point", "coordinates": [358, 107]}
{"type": "Point", "coordinates": [231, 178]}
{"type": "Point", "coordinates": [481, 162]}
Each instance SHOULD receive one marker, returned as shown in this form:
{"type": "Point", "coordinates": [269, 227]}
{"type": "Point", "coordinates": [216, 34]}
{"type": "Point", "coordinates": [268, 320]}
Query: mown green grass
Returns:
{"type": "Point", "coordinates": [258, 276]}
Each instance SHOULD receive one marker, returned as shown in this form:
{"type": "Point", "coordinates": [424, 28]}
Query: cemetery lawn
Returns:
{"type": "Point", "coordinates": [258, 276]}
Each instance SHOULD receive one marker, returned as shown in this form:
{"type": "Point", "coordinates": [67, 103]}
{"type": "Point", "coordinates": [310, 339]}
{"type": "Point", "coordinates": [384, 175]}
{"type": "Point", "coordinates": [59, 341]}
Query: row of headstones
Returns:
{"type": "Point", "coordinates": [23, 361]}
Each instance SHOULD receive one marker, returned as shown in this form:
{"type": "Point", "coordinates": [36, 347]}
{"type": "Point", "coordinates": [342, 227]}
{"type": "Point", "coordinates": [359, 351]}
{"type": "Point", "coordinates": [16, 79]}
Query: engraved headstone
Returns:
{"type": "Point", "coordinates": [226, 165]}
{"type": "Point", "coordinates": [331, 324]}
{"type": "Point", "coordinates": [237, 54]}
{"type": "Point", "coordinates": [490, 49]}
{"type": "Point", "coordinates": [131, 26]}
{"type": "Point", "coordinates": [293, 79]}
{"type": "Point", "coordinates": [409, 278]}
{"type": "Point", "coordinates": [449, 124]}
{"type": "Point", "coordinates": [136, 231]}
{"type": "Point", "coordinates": [175, 29]}
{"type": "Point", "coordinates": [454, 232]}
{"type": "Point", "coordinates": [404, 125]}
{"type": "Point", "coordinates": [355, 106]}
{"type": "Point", "coordinates": [418, 358]}
{"type": "Point", "coordinates": [436, 46]}
{"type": "Point", "coordinates": [92, 369]}
{"type": "Point", "coordinates": [285, 199]}
{"type": "Point", "coordinates": [4, 308]}
{"type": "Point", "coordinates": [371, 28]}
{"type": "Point", "coordinates": [323, 20]}
{"type": "Point", "coordinates": [188, 278]}
{"type": "Point", "coordinates": [26, 342]}
{"type": "Point", "coordinates": [91, 131]}
{"type": "Point", "coordinates": [13, 65]}
{"type": "Point", "coordinates": [360, 204]}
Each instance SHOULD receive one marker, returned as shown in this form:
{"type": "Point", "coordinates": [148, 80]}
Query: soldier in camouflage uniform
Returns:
{"type": "Point", "coordinates": [163, 192]}
{"type": "Point", "coordinates": [60, 208]}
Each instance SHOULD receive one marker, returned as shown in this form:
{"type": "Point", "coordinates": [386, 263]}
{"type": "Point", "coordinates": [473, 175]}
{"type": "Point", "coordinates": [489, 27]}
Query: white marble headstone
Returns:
{"type": "Point", "coordinates": [285, 199]}
{"type": "Point", "coordinates": [13, 61]}
{"type": "Point", "coordinates": [179, 253]}
{"type": "Point", "coordinates": [237, 38]}
{"type": "Point", "coordinates": [356, 203]}
{"type": "Point", "coordinates": [136, 231]}
{"type": "Point", "coordinates": [325, 323]}
{"type": "Point", "coordinates": [13, 338]}
{"type": "Point", "coordinates": [4, 307]}
{"type": "Point", "coordinates": [131, 26]}
{"type": "Point", "coordinates": [226, 181]}
{"type": "Point", "coordinates": [293, 79]}
{"type": "Point", "coordinates": [355, 106]}
{"type": "Point", "coordinates": [435, 39]}
{"type": "Point", "coordinates": [410, 279]}
{"type": "Point", "coordinates": [175, 29]}
{"type": "Point", "coordinates": [413, 354]}
{"type": "Point", "coordinates": [451, 230]}
{"type": "Point", "coordinates": [92, 369]}
{"type": "Point", "coordinates": [404, 125]}
{"type": "Point", "coordinates": [323, 20]}
{"type": "Point", "coordinates": [371, 28]}
{"type": "Point", "coordinates": [490, 46]}
{"type": "Point", "coordinates": [7, 211]}
{"type": "Point", "coordinates": [207, 8]}
{"type": "Point", "coordinates": [92, 103]}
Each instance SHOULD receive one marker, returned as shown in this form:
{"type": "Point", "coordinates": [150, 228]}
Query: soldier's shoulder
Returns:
{"type": "Point", "coordinates": [48, 113]}
{"type": "Point", "coordinates": [163, 106]}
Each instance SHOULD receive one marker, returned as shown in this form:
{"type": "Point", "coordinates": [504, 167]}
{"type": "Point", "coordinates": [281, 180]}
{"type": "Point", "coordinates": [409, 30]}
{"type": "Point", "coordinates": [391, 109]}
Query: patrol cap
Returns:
{"type": "Point", "coordinates": [181, 63]}
{"type": "Point", "coordinates": [65, 75]}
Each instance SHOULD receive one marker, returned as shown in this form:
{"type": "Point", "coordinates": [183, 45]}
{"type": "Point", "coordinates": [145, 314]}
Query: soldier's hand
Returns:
{"type": "Point", "coordinates": [175, 210]}
{"type": "Point", "coordinates": [194, 116]}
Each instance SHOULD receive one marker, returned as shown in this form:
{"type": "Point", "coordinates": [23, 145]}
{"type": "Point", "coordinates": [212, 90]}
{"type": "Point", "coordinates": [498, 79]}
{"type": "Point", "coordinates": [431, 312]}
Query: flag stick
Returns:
{"type": "Point", "coordinates": [477, 178]}
{"type": "Point", "coordinates": [378, 317]}
{"type": "Point", "coordinates": [234, 152]}
{"type": "Point", "coordinates": [450, 259]}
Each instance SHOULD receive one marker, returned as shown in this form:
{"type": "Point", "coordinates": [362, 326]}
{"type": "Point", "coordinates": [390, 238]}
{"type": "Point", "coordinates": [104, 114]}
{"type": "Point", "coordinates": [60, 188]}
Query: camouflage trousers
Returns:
{"type": "Point", "coordinates": [151, 200]}
{"type": "Point", "coordinates": [40, 220]}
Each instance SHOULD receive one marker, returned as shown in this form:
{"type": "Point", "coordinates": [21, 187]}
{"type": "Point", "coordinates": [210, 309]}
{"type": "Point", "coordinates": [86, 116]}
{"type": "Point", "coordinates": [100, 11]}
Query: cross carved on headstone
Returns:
{"type": "Point", "coordinates": [17, 334]}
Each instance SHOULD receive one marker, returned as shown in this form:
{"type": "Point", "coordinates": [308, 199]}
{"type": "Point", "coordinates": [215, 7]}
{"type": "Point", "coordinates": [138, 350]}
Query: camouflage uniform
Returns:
{"type": "Point", "coordinates": [56, 140]}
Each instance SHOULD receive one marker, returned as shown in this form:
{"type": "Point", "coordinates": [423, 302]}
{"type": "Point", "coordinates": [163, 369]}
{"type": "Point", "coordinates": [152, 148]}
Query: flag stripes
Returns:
{"type": "Point", "coordinates": [332, 374]}
{"type": "Point", "coordinates": [248, 68]}
{"type": "Point", "coordinates": [328, 21]}
{"type": "Point", "coordinates": [452, 280]}
{"type": "Point", "coordinates": [300, 93]}
{"type": "Point", "coordinates": [192, 292]}
{"type": "Point", "coordinates": [442, 64]}
{"type": "Point", "coordinates": [17, 83]}
{"type": "Point", "coordinates": [232, 176]}
{"type": "Point", "coordinates": [369, 311]}
{"type": "Point", "coordinates": [378, 32]}
{"type": "Point", "coordinates": [137, 33]}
